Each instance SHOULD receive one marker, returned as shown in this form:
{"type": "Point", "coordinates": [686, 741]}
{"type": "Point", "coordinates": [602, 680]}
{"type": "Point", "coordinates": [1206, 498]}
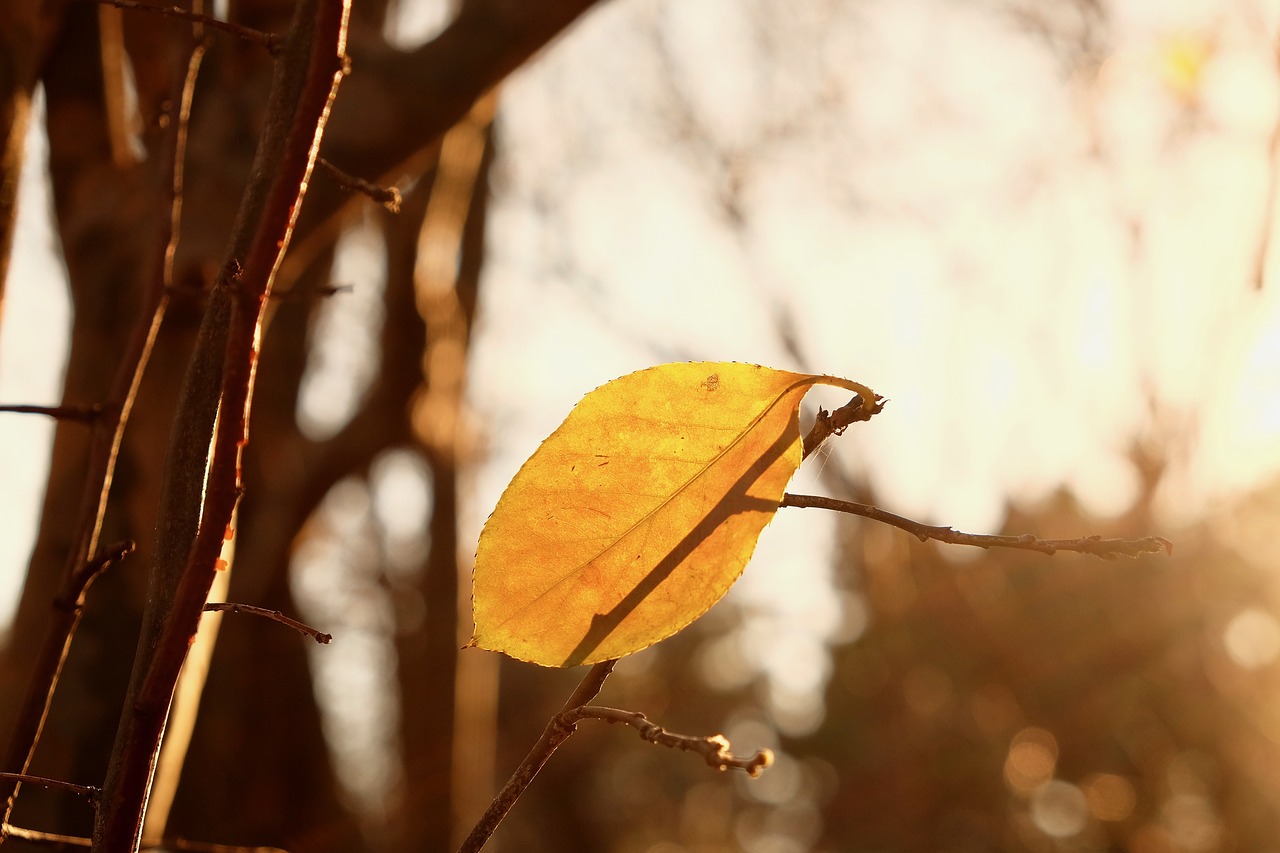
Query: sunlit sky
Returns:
{"type": "Point", "coordinates": [1040, 261]}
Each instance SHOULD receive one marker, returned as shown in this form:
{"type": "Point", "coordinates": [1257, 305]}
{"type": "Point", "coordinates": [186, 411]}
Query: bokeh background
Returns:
{"type": "Point", "coordinates": [1044, 231]}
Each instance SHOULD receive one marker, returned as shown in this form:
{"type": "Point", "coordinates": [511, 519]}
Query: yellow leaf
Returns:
{"type": "Point", "coordinates": [639, 512]}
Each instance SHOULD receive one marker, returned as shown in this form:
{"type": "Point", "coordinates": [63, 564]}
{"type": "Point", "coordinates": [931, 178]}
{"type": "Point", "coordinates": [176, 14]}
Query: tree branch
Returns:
{"type": "Point", "coordinates": [274, 615]}
{"type": "Point", "coordinates": [89, 792]}
{"type": "Point", "coordinates": [54, 839]}
{"type": "Point", "coordinates": [270, 42]}
{"type": "Point", "coordinates": [1107, 549]}
{"type": "Point", "coordinates": [83, 414]}
{"type": "Point", "coordinates": [556, 733]}
{"type": "Point", "coordinates": [388, 197]}
{"type": "Point", "coordinates": [714, 749]}
{"type": "Point", "coordinates": [214, 409]}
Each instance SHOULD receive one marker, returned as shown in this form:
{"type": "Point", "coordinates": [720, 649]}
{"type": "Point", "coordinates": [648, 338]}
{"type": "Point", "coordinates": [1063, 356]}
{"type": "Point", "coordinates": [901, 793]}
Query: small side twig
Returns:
{"type": "Point", "coordinates": [276, 615]}
{"type": "Point", "coordinates": [54, 839]}
{"type": "Point", "coordinates": [89, 792]}
{"type": "Point", "coordinates": [310, 292]}
{"type": "Point", "coordinates": [1107, 549]}
{"type": "Point", "coordinates": [388, 197]}
{"type": "Point", "coordinates": [556, 733]}
{"type": "Point", "coordinates": [81, 414]}
{"type": "Point", "coordinates": [71, 598]}
{"type": "Point", "coordinates": [268, 41]}
{"type": "Point", "coordinates": [714, 749]}
{"type": "Point", "coordinates": [828, 424]}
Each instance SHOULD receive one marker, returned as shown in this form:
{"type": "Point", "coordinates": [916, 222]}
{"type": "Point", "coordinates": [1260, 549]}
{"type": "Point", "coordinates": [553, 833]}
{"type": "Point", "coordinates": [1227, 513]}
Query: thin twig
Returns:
{"type": "Point", "coordinates": [275, 615]}
{"type": "Point", "coordinates": [82, 414]}
{"type": "Point", "coordinates": [312, 292]}
{"type": "Point", "coordinates": [556, 733]}
{"type": "Point", "coordinates": [1107, 549]}
{"type": "Point", "coordinates": [89, 792]}
{"type": "Point", "coordinates": [714, 749]}
{"type": "Point", "coordinates": [268, 41]}
{"type": "Point", "coordinates": [388, 197]}
{"type": "Point", "coordinates": [828, 424]}
{"type": "Point", "coordinates": [35, 836]}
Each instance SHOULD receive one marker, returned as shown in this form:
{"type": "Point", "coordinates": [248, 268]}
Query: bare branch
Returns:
{"type": "Point", "coordinates": [714, 749]}
{"type": "Point", "coordinates": [89, 792]}
{"type": "Point", "coordinates": [53, 839]}
{"type": "Point", "coordinates": [83, 414]}
{"type": "Point", "coordinates": [35, 836]}
{"type": "Point", "coordinates": [270, 42]}
{"type": "Point", "coordinates": [274, 615]}
{"type": "Point", "coordinates": [388, 197]}
{"type": "Point", "coordinates": [556, 733]}
{"type": "Point", "coordinates": [1107, 549]}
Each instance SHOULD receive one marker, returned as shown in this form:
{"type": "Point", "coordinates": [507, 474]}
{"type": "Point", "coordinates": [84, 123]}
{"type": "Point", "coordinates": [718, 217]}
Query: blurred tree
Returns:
{"type": "Point", "coordinates": [258, 770]}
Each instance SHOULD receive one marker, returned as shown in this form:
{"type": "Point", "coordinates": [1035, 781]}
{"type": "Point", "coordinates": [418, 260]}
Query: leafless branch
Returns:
{"type": "Point", "coordinates": [83, 414]}
{"type": "Point", "coordinates": [271, 42]}
{"type": "Point", "coordinates": [275, 615]}
{"type": "Point", "coordinates": [388, 197]}
{"type": "Point", "coordinates": [714, 749]}
{"type": "Point", "coordinates": [87, 791]}
{"type": "Point", "coordinates": [35, 836]}
{"type": "Point", "coordinates": [1107, 549]}
{"type": "Point", "coordinates": [556, 733]}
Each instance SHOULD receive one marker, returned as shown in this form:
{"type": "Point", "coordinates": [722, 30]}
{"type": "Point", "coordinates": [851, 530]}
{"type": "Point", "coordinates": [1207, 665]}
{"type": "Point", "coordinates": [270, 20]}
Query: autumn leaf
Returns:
{"type": "Point", "coordinates": [639, 512]}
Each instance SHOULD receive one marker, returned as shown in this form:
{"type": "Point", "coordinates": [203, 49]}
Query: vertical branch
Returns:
{"type": "Point", "coordinates": [429, 658]}
{"type": "Point", "coordinates": [212, 427]}
{"type": "Point", "coordinates": [83, 563]}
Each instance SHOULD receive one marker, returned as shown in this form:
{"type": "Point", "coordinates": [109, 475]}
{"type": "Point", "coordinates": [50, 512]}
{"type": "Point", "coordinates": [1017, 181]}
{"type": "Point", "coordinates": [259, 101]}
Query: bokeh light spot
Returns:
{"type": "Point", "coordinates": [1110, 797]}
{"type": "Point", "coordinates": [1033, 755]}
{"type": "Point", "coordinates": [1252, 638]}
{"type": "Point", "coordinates": [1059, 809]}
